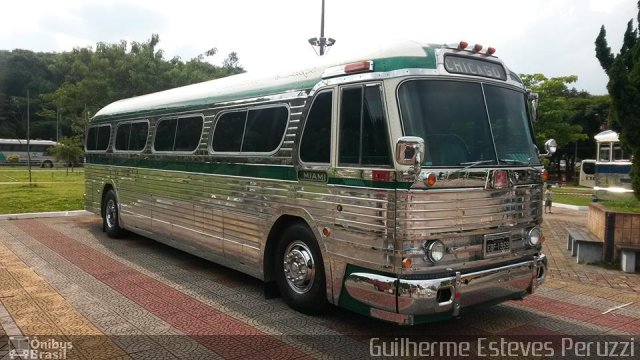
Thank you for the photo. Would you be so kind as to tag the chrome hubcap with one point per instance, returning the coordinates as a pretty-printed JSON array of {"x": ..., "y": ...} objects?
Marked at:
[
  {"x": 111, "y": 213},
  {"x": 299, "y": 268}
]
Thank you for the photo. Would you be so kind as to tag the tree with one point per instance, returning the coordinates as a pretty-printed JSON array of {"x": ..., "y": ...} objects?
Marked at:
[
  {"x": 68, "y": 150},
  {"x": 76, "y": 84},
  {"x": 624, "y": 88},
  {"x": 557, "y": 114}
]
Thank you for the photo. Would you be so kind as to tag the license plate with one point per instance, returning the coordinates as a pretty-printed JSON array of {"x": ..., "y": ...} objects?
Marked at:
[{"x": 497, "y": 244}]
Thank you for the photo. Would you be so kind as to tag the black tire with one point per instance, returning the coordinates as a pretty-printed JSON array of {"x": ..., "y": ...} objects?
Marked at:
[
  {"x": 110, "y": 219},
  {"x": 306, "y": 293},
  {"x": 47, "y": 164}
]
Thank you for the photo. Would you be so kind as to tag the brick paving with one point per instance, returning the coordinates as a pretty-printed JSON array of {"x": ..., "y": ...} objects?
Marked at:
[{"x": 136, "y": 298}]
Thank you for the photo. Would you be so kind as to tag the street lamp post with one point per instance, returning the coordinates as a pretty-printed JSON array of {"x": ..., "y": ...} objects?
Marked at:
[
  {"x": 28, "y": 138},
  {"x": 322, "y": 42}
]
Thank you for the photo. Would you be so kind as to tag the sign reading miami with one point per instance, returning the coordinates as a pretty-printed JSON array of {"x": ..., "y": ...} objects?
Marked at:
[{"x": 317, "y": 176}]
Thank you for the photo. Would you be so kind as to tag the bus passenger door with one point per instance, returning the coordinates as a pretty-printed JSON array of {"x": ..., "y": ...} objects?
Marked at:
[
  {"x": 313, "y": 192},
  {"x": 363, "y": 180}
]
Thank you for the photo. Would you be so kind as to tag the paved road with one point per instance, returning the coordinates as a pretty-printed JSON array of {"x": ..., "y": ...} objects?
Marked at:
[{"x": 63, "y": 277}]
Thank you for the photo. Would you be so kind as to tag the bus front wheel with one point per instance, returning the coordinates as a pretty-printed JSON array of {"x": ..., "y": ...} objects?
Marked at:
[
  {"x": 110, "y": 220},
  {"x": 300, "y": 271}
]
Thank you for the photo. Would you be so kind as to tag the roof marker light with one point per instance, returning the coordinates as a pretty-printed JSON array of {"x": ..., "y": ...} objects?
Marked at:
[
  {"x": 347, "y": 69},
  {"x": 477, "y": 48},
  {"x": 463, "y": 45},
  {"x": 360, "y": 66},
  {"x": 491, "y": 51}
]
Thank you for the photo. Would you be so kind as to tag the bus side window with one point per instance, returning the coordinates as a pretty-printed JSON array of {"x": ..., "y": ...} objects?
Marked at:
[
  {"x": 91, "y": 138},
  {"x": 104, "y": 137},
  {"x": 138, "y": 137},
  {"x": 99, "y": 137},
  {"x": 227, "y": 135},
  {"x": 618, "y": 153},
  {"x": 165, "y": 135},
  {"x": 122, "y": 136},
  {"x": 363, "y": 131},
  {"x": 315, "y": 146},
  {"x": 188, "y": 133},
  {"x": 605, "y": 152},
  {"x": 265, "y": 129}
]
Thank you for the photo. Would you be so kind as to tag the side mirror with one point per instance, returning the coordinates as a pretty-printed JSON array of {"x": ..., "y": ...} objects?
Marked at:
[
  {"x": 533, "y": 104},
  {"x": 410, "y": 153},
  {"x": 550, "y": 146}
]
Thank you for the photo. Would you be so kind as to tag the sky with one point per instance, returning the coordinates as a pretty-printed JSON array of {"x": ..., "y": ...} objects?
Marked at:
[{"x": 552, "y": 37}]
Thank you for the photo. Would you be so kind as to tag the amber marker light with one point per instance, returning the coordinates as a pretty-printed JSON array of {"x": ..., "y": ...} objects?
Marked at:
[
  {"x": 544, "y": 175},
  {"x": 430, "y": 180},
  {"x": 406, "y": 262}
]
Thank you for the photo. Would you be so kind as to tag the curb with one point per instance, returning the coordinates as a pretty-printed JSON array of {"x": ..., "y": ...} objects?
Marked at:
[
  {"x": 572, "y": 207},
  {"x": 41, "y": 215}
]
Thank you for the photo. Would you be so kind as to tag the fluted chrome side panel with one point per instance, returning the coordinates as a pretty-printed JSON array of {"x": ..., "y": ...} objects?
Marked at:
[{"x": 364, "y": 226}]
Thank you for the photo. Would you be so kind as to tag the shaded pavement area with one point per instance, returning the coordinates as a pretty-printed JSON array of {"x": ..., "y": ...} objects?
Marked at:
[{"x": 64, "y": 282}]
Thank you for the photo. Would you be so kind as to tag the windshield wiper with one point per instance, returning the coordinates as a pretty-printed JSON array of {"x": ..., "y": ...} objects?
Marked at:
[
  {"x": 471, "y": 164},
  {"x": 514, "y": 161},
  {"x": 474, "y": 163}
]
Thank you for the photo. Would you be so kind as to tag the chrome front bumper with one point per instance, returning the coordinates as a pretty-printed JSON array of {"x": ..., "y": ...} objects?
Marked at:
[{"x": 450, "y": 294}]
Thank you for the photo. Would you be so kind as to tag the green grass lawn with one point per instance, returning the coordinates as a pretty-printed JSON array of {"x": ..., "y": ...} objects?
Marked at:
[
  {"x": 52, "y": 190},
  {"x": 581, "y": 196},
  {"x": 573, "y": 195},
  {"x": 626, "y": 205}
]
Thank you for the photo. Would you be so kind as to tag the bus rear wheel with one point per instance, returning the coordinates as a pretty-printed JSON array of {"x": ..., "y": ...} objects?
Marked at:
[
  {"x": 47, "y": 164},
  {"x": 300, "y": 271},
  {"x": 110, "y": 220}
]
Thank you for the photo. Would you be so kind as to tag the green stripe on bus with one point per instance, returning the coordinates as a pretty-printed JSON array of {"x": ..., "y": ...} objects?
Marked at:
[
  {"x": 273, "y": 172},
  {"x": 248, "y": 170}
]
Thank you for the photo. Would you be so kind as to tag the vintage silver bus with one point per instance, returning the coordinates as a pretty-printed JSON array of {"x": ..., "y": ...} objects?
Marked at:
[{"x": 403, "y": 183}]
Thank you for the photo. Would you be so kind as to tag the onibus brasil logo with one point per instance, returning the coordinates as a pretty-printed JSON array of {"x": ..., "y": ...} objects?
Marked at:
[{"x": 23, "y": 347}]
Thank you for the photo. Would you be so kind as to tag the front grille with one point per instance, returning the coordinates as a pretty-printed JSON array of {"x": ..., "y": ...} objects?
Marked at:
[{"x": 461, "y": 219}]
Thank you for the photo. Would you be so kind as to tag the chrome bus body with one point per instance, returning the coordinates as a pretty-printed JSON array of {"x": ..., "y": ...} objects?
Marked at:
[
  {"x": 613, "y": 167},
  {"x": 39, "y": 150},
  {"x": 370, "y": 222}
]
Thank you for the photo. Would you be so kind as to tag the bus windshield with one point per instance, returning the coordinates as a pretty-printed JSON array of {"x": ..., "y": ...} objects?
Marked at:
[{"x": 463, "y": 123}]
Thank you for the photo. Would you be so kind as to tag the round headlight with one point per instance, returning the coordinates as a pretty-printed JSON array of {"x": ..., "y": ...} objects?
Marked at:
[
  {"x": 534, "y": 235},
  {"x": 435, "y": 251}
]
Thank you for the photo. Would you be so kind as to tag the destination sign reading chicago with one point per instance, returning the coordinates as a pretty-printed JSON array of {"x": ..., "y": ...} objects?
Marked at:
[{"x": 469, "y": 66}]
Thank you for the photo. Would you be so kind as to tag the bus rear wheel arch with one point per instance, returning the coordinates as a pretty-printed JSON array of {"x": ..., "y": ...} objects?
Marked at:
[
  {"x": 47, "y": 164},
  {"x": 299, "y": 270}
]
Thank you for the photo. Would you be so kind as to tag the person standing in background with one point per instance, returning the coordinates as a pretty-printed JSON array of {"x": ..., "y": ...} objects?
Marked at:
[{"x": 548, "y": 199}]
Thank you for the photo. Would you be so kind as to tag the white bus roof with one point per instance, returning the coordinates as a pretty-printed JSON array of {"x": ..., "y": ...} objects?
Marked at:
[
  {"x": 398, "y": 55},
  {"x": 31, "y": 142},
  {"x": 607, "y": 136}
]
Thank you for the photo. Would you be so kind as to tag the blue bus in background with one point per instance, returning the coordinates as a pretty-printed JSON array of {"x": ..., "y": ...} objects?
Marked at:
[{"x": 613, "y": 166}]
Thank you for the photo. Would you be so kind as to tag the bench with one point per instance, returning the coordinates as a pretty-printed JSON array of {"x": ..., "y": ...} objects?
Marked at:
[
  {"x": 584, "y": 246},
  {"x": 628, "y": 256}
]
